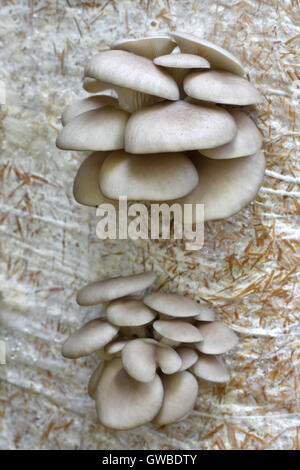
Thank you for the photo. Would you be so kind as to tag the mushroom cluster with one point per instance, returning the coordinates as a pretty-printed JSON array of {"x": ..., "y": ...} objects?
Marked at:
[
  {"x": 154, "y": 346},
  {"x": 168, "y": 126}
]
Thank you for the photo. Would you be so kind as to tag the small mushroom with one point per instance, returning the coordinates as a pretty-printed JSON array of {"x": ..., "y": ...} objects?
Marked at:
[
  {"x": 129, "y": 312},
  {"x": 211, "y": 368},
  {"x": 116, "y": 346},
  {"x": 149, "y": 47},
  {"x": 94, "y": 379},
  {"x": 177, "y": 330},
  {"x": 141, "y": 357},
  {"x": 153, "y": 177},
  {"x": 221, "y": 87},
  {"x": 218, "y": 57},
  {"x": 206, "y": 314},
  {"x": 87, "y": 104},
  {"x": 188, "y": 357},
  {"x": 217, "y": 338},
  {"x": 114, "y": 288},
  {"x": 96, "y": 86},
  {"x": 180, "y": 394},
  {"x": 89, "y": 338},
  {"x": 98, "y": 129},
  {"x": 178, "y": 126},
  {"x": 124, "y": 403},
  {"x": 173, "y": 305},
  {"x": 247, "y": 141},
  {"x": 226, "y": 186}
]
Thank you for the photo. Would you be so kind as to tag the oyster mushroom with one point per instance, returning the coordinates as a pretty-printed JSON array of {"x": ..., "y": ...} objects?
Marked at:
[
  {"x": 188, "y": 357},
  {"x": 87, "y": 104},
  {"x": 211, "y": 368},
  {"x": 94, "y": 379},
  {"x": 149, "y": 47},
  {"x": 153, "y": 177},
  {"x": 217, "y": 338},
  {"x": 174, "y": 305},
  {"x": 91, "y": 85},
  {"x": 129, "y": 312},
  {"x": 178, "y": 331}
]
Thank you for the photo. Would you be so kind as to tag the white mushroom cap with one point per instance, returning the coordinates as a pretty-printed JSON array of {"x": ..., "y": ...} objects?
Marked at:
[
  {"x": 218, "y": 57},
  {"x": 124, "y": 69},
  {"x": 180, "y": 394},
  {"x": 114, "y": 288},
  {"x": 86, "y": 188},
  {"x": 217, "y": 338},
  {"x": 94, "y": 379},
  {"x": 226, "y": 186},
  {"x": 92, "y": 336},
  {"x": 211, "y": 368},
  {"x": 206, "y": 314},
  {"x": 99, "y": 129},
  {"x": 174, "y": 305},
  {"x": 124, "y": 403},
  {"x": 222, "y": 87},
  {"x": 149, "y": 47},
  {"x": 177, "y": 330},
  {"x": 178, "y": 126},
  {"x": 152, "y": 177},
  {"x": 247, "y": 141},
  {"x": 188, "y": 357},
  {"x": 95, "y": 86},
  {"x": 141, "y": 357},
  {"x": 182, "y": 61},
  {"x": 129, "y": 312},
  {"x": 87, "y": 104},
  {"x": 115, "y": 347}
]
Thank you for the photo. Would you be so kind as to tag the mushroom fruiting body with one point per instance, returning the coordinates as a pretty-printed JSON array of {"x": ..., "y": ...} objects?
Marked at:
[{"x": 140, "y": 378}]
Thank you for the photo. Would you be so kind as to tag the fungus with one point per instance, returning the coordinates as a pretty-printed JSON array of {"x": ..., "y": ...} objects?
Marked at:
[
  {"x": 150, "y": 47},
  {"x": 129, "y": 312},
  {"x": 211, "y": 368},
  {"x": 173, "y": 305},
  {"x": 87, "y": 104}
]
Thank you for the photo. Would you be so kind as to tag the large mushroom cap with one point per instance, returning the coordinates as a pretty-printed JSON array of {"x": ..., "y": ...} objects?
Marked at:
[
  {"x": 98, "y": 129},
  {"x": 211, "y": 368},
  {"x": 247, "y": 141},
  {"x": 86, "y": 188},
  {"x": 129, "y": 312},
  {"x": 92, "y": 336},
  {"x": 217, "y": 338},
  {"x": 124, "y": 403},
  {"x": 124, "y": 69},
  {"x": 218, "y": 57},
  {"x": 182, "y": 61},
  {"x": 226, "y": 186},
  {"x": 87, "y": 104},
  {"x": 149, "y": 47},
  {"x": 172, "y": 304},
  {"x": 180, "y": 394},
  {"x": 110, "y": 289},
  {"x": 222, "y": 87},
  {"x": 177, "y": 330},
  {"x": 147, "y": 177},
  {"x": 178, "y": 126}
]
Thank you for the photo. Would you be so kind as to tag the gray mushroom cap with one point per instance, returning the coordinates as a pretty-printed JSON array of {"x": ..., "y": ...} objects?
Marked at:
[
  {"x": 221, "y": 87},
  {"x": 182, "y": 61},
  {"x": 211, "y": 368},
  {"x": 217, "y": 338},
  {"x": 180, "y": 394},
  {"x": 177, "y": 330},
  {"x": 150, "y": 47},
  {"x": 124, "y": 403},
  {"x": 172, "y": 304},
  {"x": 129, "y": 312},
  {"x": 206, "y": 314},
  {"x": 178, "y": 126},
  {"x": 89, "y": 338},
  {"x": 110, "y": 289},
  {"x": 87, "y": 104},
  {"x": 218, "y": 57}
]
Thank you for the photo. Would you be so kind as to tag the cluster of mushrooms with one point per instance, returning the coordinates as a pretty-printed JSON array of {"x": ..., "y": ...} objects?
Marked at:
[
  {"x": 154, "y": 346},
  {"x": 156, "y": 132}
]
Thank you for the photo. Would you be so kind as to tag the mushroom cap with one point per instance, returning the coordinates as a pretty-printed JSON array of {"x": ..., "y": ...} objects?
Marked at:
[
  {"x": 226, "y": 186},
  {"x": 217, "y": 338},
  {"x": 178, "y": 126},
  {"x": 188, "y": 357},
  {"x": 98, "y": 129},
  {"x": 247, "y": 141},
  {"x": 129, "y": 312},
  {"x": 172, "y": 304},
  {"x": 218, "y": 57},
  {"x": 182, "y": 61},
  {"x": 91, "y": 85},
  {"x": 114, "y": 288},
  {"x": 86, "y": 188},
  {"x": 211, "y": 368},
  {"x": 222, "y": 87},
  {"x": 87, "y": 104},
  {"x": 180, "y": 394},
  {"x": 94, "y": 379},
  {"x": 124, "y": 403},
  {"x": 147, "y": 177},
  {"x": 128, "y": 70},
  {"x": 116, "y": 346},
  {"x": 206, "y": 314},
  {"x": 141, "y": 357},
  {"x": 149, "y": 47},
  {"x": 89, "y": 338},
  {"x": 177, "y": 330}
]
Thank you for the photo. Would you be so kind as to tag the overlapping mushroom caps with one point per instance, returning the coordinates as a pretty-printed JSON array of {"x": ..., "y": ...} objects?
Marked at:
[
  {"x": 161, "y": 97},
  {"x": 155, "y": 348}
]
